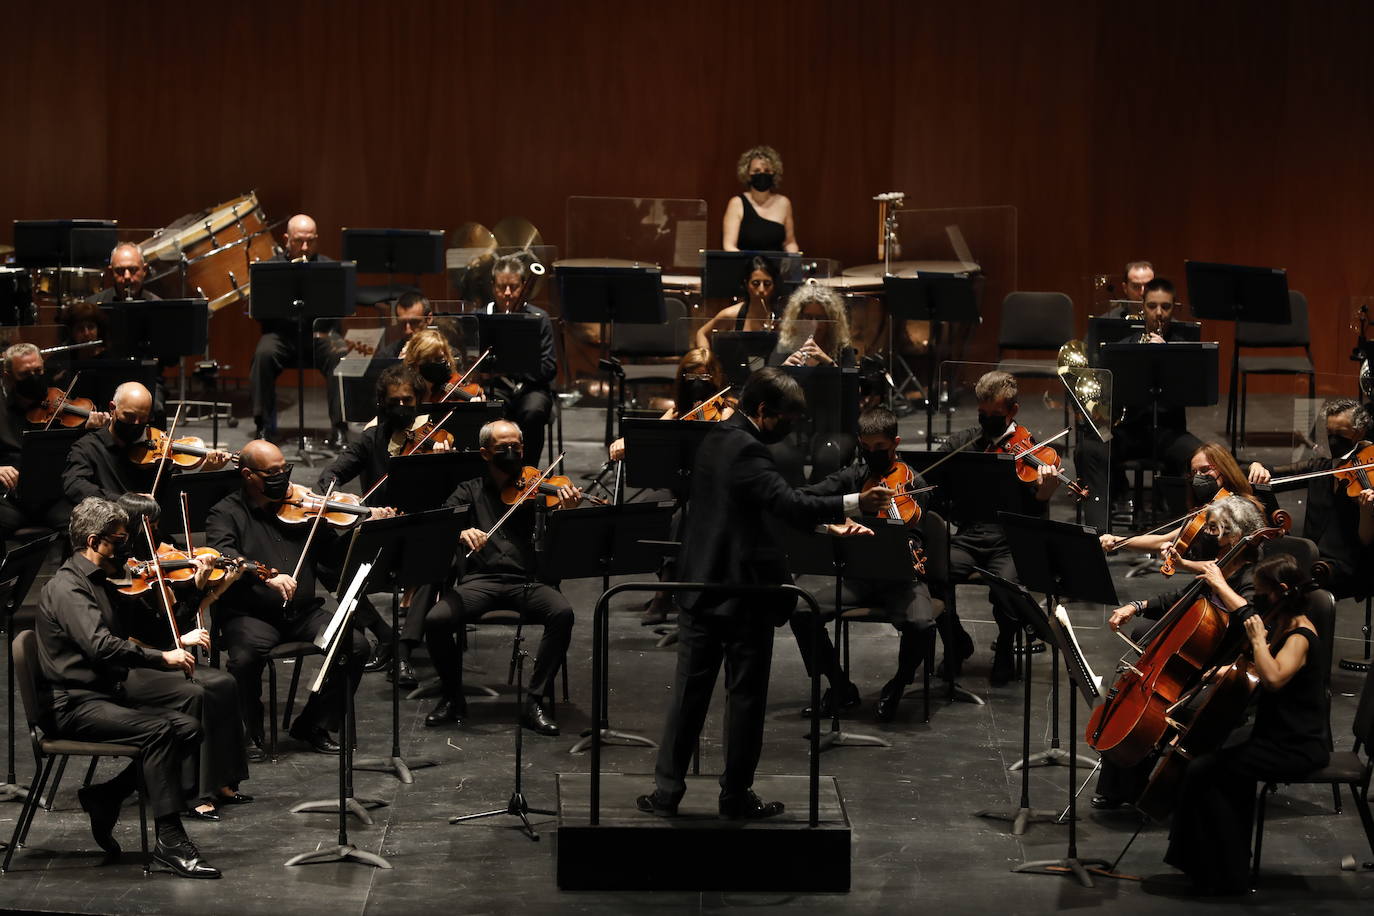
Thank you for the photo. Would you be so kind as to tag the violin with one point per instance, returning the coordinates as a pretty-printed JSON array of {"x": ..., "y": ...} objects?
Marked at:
[
  {"x": 1354, "y": 470},
  {"x": 179, "y": 567},
  {"x": 520, "y": 489},
  {"x": 186, "y": 452},
  {"x": 1190, "y": 531},
  {"x": 458, "y": 384},
  {"x": 1031, "y": 457},
  {"x": 424, "y": 437},
  {"x": 711, "y": 410},
  {"x": 302, "y": 505},
  {"x": 57, "y": 408},
  {"x": 902, "y": 505}
]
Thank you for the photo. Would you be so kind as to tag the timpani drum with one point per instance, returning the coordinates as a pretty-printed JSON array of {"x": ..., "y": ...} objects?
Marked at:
[{"x": 64, "y": 285}]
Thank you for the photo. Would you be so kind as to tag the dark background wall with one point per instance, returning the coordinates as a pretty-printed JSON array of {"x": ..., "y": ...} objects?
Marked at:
[{"x": 1228, "y": 131}]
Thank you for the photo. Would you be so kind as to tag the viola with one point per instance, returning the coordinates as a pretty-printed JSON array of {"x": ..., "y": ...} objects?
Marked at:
[
  {"x": 711, "y": 410},
  {"x": 179, "y": 567},
  {"x": 57, "y": 408},
  {"x": 1031, "y": 457},
  {"x": 302, "y": 505},
  {"x": 902, "y": 505},
  {"x": 1354, "y": 471},
  {"x": 424, "y": 437},
  {"x": 186, "y": 452},
  {"x": 1190, "y": 531},
  {"x": 519, "y": 489}
]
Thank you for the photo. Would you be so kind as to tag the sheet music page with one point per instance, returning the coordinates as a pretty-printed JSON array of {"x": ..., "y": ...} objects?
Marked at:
[{"x": 1062, "y": 616}]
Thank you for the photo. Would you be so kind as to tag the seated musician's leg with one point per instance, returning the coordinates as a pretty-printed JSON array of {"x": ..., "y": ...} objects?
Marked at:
[
  {"x": 320, "y": 715},
  {"x": 246, "y": 642},
  {"x": 958, "y": 644},
  {"x": 530, "y": 411},
  {"x": 545, "y": 606},
  {"x": 998, "y": 561},
  {"x": 840, "y": 688},
  {"x": 270, "y": 357}
]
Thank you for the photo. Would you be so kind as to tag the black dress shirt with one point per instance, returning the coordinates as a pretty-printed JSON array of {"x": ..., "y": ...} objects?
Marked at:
[
  {"x": 238, "y": 529},
  {"x": 365, "y": 458},
  {"x": 548, "y": 354},
  {"x": 12, "y": 425},
  {"x": 97, "y": 465},
  {"x": 509, "y": 553}
]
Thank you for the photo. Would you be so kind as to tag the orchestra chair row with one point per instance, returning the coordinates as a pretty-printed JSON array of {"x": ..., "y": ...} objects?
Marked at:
[
  {"x": 1296, "y": 335},
  {"x": 50, "y": 751}
]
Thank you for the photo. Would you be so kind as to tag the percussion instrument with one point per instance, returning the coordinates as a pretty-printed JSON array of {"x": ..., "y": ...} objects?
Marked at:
[
  {"x": 65, "y": 285},
  {"x": 208, "y": 255},
  {"x": 16, "y": 296}
]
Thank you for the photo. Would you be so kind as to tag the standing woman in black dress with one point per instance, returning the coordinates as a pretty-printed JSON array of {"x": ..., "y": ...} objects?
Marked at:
[
  {"x": 1209, "y": 839},
  {"x": 759, "y": 218}
]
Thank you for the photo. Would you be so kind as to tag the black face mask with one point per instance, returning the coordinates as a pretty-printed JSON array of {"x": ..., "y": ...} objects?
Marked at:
[
  {"x": 777, "y": 433},
  {"x": 879, "y": 460},
  {"x": 276, "y": 486},
  {"x": 34, "y": 387},
  {"x": 1339, "y": 445},
  {"x": 436, "y": 372},
  {"x": 1204, "y": 488},
  {"x": 509, "y": 459},
  {"x": 696, "y": 390},
  {"x": 761, "y": 181},
  {"x": 399, "y": 416},
  {"x": 1206, "y": 546},
  {"x": 992, "y": 427},
  {"x": 128, "y": 432},
  {"x": 1262, "y": 604}
]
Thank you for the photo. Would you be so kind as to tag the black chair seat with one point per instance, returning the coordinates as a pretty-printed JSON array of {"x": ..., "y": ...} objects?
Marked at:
[
  {"x": 291, "y": 649},
  {"x": 1275, "y": 365},
  {"x": 59, "y": 746},
  {"x": 501, "y": 615},
  {"x": 1344, "y": 766}
]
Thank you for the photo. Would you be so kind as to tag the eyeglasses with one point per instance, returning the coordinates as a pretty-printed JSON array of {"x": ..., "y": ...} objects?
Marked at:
[{"x": 118, "y": 541}]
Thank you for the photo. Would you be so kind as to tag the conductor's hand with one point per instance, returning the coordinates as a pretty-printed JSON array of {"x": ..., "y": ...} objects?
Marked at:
[
  {"x": 179, "y": 660},
  {"x": 569, "y": 497},
  {"x": 283, "y": 585},
  {"x": 1120, "y": 616},
  {"x": 9, "y": 476},
  {"x": 848, "y": 529},
  {"x": 196, "y": 637},
  {"x": 216, "y": 460},
  {"x": 474, "y": 538},
  {"x": 1258, "y": 473},
  {"x": 97, "y": 419},
  {"x": 875, "y": 499}
]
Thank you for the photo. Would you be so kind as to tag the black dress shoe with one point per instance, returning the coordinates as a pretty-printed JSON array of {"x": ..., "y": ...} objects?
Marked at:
[
  {"x": 1105, "y": 803},
  {"x": 380, "y": 658},
  {"x": 653, "y": 803},
  {"x": 183, "y": 859},
  {"x": 749, "y": 807},
  {"x": 407, "y": 676},
  {"x": 446, "y": 711},
  {"x": 1003, "y": 666},
  {"x": 103, "y": 808},
  {"x": 196, "y": 814},
  {"x": 538, "y": 721},
  {"x": 316, "y": 737},
  {"x": 238, "y": 798},
  {"x": 849, "y": 698},
  {"x": 256, "y": 752},
  {"x": 888, "y": 700}
]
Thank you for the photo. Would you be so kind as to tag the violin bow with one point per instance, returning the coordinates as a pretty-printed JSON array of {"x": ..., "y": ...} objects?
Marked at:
[
  {"x": 1327, "y": 473},
  {"x": 62, "y": 401},
  {"x": 702, "y": 406},
  {"x": 167, "y": 458},
  {"x": 162, "y": 590},
  {"x": 190, "y": 547},
  {"x": 423, "y": 439},
  {"x": 314, "y": 526},
  {"x": 996, "y": 442},
  {"x": 544, "y": 475},
  {"x": 464, "y": 377},
  {"x": 1155, "y": 530}
]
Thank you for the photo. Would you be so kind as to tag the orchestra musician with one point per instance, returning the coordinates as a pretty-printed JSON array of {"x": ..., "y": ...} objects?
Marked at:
[
  {"x": 736, "y": 486},
  {"x": 759, "y": 218},
  {"x": 429, "y": 354},
  {"x": 277, "y": 348},
  {"x": 220, "y": 762},
  {"x": 1341, "y": 526},
  {"x": 906, "y": 604},
  {"x": 755, "y": 313},
  {"x": 528, "y": 398},
  {"x": 93, "y": 688},
  {"x": 981, "y": 541},
  {"x": 1228, "y": 520},
  {"x": 1209, "y": 838},
  {"x": 258, "y": 615},
  {"x": 1134, "y": 278},
  {"x": 24, "y": 384},
  {"x": 500, "y": 572},
  {"x": 128, "y": 272},
  {"x": 413, "y": 312},
  {"x": 99, "y": 464}
]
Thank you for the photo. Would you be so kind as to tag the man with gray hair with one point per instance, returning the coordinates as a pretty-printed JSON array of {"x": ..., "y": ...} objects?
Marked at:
[
  {"x": 91, "y": 690},
  {"x": 128, "y": 272}
]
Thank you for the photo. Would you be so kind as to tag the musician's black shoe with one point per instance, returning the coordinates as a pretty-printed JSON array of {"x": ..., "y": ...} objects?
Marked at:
[
  {"x": 848, "y": 699},
  {"x": 315, "y": 736},
  {"x": 964, "y": 644},
  {"x": 197, "y": 814},
  {"x": 183, "y": 859},
  {"x": 538, "y": 721},
  {"x": 256, "y": 752},
  {"x": 1003, "y": 666},
  {"x": 748, "y": 807},
  {"x": 103, "y": 807},
  {"x": 888, "y": 700},
  {"x": 653, "y": 803},
  {"x": 380, "y": 658},
  {"x": 1106, "y": 803},
  {"x": 238, "y": 798},
  {"x": 407, "y": 676},
  {"x": 445, "y": 712}
]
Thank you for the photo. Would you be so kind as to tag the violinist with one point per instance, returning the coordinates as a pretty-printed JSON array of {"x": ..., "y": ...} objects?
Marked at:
[
  {"x": 258, "y": 615},
  {"x": 528, "y": 398},
  {"x": 1209, "y": 839},
  {"x": 907, "y": 604},
  {"x": 1228, "y": 520},
  {"x": 23, "y": 384},
  {"x": 755, "y": 313},
  {"x": 88, "y": 690},
  {"x": 500, "y": 573},
  {"x": 222, "y": 761},
  {"x": 698, "y": 378},
  {"x": 981, "y": 541},
  {"x": 429, "y": 355},
  {"x": 1341, "y": 524},
  {"x": 103, "y": 464}
]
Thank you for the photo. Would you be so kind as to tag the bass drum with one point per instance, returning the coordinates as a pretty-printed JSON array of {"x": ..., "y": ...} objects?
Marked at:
[
  {"x": 207, "y": 254},
  {"x": 221, "y": 275},
  {"x": 196, "y": 234}
]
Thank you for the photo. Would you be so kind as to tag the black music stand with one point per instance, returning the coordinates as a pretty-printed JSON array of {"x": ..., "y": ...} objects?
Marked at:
[
  {"x": 17, "y": 575},
  {"x": 203, "y": 489},
  {"x": 936, "y": 298},
  {"x": 660, "y": 454},
  {"x": 336, "y": 639},
  {"x": 886, "y": 557},
  {"x": 467, "y": 421},
  {"x": 358, "y": 390},
  {"x": 165, "y": 329},
  {"x": 607, "y": 296},
  {"x": 1236, "y": 293},
  {"x": 391, "y": 252},
  {"x": 43, "y": 457},
  {"x": 832, "y": 398},
  {"x": 725, "y": 273},
  {"x": 606, "y": 541},
  {"x": 302, "y": 293},
  {"x": 514, "y": 342},
  {"x": 100, "y": 377},
  {"x": 408, "y": 548},
  {"x": 64, "y": 242},
  {"x": 418, "y": 483},
  {"x": 737, "y": 351}
]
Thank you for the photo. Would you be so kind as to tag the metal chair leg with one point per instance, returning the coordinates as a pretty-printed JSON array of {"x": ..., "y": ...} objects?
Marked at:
[
  {"x": 1259, "y": 834},
  {"x": 35, "y": 793},
  {"x": 272, "y": 710},
  {"x": 291, "y": 693},
  {"x": 90, "y": 772},
  {"x": 56, "y": 782}
]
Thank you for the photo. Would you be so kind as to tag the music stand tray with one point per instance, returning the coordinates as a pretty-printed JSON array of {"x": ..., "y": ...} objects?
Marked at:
[
  {"x": 605, "y": 295},
  {"x": 358, "y": 385},
  {"x": 660, "y": 454},
  {"x": 203, "y": 489},
  {"x": 166, "y": 329},
  {"x": 937, "y": 298},
  {"x": 100, "y": 377},
  {"x": 467, "y": 420},
  {"x": 725, "y": 273},
  {"x": 514, "y": 342},
  {"x": 1174, "y": 374},
  {"x": 972, "y": 486},
  {"x": 1233, "y": 292},
  {"x": 419, "y": 483},
  {"x": 395, "y": 251},
  {"x": 64, "y": 242}
]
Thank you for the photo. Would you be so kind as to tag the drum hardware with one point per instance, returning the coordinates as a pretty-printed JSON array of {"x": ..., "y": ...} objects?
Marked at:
[{"x": 889, "y": 204}]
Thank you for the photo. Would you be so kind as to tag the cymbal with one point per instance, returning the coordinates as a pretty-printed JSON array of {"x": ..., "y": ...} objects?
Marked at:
[
  {"x": 472, "y": 235},
  {"x": 516, "y": 232}
]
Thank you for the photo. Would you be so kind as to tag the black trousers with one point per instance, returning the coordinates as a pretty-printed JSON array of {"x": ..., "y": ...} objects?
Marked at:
[
  {"x": 276, "y": 352},
  {"x": 538, "y": 604},
  {"x": 247, "y": 640},
  {"x": 984, "y": 546},
  {"x": 1098, "y": 464},
  {"x": 530, "y": 411},
  {"x": 221, "y": 758},
  {"x": 55, "y": 514},
  {"x": 168, "y": 738},
  {"x": 907, "y": 605},
  {"x": 743, "y": 640}
]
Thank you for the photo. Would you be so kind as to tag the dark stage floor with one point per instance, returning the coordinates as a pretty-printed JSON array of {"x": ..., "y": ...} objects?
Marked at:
[{"x": 916, "y": 842}]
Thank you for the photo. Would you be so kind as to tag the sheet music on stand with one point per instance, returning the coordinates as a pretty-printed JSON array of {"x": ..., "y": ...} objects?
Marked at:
[{"x": 1089, "y": 682}]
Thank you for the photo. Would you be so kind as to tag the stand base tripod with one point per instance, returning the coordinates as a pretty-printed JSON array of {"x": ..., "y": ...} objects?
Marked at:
[
  {"x": 1054, "y": 756},
  {"x": 1355, "y": 664},
  {"x": 517, "y": 807},
  {"x": 611, "y": 736},
  {"x": 339, "y": 854},
  {"x": 1079, "y": 868},
  {"x": 1021, "y": 818},
  {"x": 951, "y": 692},
  {"x": 11, "y": 792},
  {"x": 838, "y": 738},
  {"x": 355, "y": 805},
  {"x": 399, "y": 767}
]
